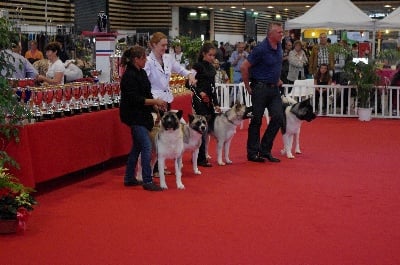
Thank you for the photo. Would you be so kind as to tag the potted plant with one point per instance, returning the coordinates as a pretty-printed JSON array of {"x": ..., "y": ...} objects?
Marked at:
[
  {"x": 16, "y": 202},
  {"x": 364, "y": 77},
  {"x": 15, "y": 198}
]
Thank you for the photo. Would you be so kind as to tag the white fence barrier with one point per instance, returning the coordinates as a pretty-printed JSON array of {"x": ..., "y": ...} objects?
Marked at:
[{"x": 340, "y": 101}]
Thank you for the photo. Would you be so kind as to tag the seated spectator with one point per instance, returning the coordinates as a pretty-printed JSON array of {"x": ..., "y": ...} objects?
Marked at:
[
  {"x": 33, "y": 54},
  {"x": 395, "y": 82}
]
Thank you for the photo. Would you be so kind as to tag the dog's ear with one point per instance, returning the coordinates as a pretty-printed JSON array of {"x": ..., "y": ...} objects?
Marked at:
[
  {"x": 179, "y": 113},
  {"x": 191, "y": 117}
]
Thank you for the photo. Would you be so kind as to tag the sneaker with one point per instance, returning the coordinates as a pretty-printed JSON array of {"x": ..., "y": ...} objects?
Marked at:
[
  {"x": 151, "y": 187},
  {"x": 133, "y": 183}
]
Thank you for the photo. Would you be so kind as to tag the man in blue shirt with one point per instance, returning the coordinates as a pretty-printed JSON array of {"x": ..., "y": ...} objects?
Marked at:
[{"x": 263, "y": 69}]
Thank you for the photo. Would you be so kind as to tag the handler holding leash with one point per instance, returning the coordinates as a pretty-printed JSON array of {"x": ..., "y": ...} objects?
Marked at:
[{"x": 263, "y": 69}]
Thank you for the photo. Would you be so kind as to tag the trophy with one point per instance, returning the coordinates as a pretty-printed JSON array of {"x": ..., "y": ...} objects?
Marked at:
[
  {"x": 95, "y": 74},
  {"x": 85, "y": 95},
  {"x": 116, "y": 93},
  {"x": 67, "y": 98},
  {"x": 94, "y": 90},
  {"x": 58, "y": 95},
  {"x": 109, "y": 93},
  {"x": 102, "y": 92},
  {"x": 76, "y": 93},
  {"x": 48, "y": 98},
  {"x": 37, "y": 102}
]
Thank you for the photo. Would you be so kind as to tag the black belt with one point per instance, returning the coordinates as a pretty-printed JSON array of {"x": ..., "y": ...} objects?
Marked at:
[{"x": 266, "y": 83}]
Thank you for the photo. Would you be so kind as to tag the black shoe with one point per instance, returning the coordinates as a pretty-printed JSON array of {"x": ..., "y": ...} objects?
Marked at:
[
  {"x": 133, "y": 183},
  {"x": 271, "y": 158},
  {"x": 151, "y": 187},
  {"x": 204, "y": 164},
  {"x": 256, "y": 158}
]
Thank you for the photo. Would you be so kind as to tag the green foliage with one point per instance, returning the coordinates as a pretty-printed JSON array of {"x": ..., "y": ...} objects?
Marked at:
[
  {"x": 364, "y": 77},
  {"x": 190, "y": 47},
  {"x": 12, "y": 112},
  {"x": 13, "y": 196},
  {"x": 391, "y": 55}
]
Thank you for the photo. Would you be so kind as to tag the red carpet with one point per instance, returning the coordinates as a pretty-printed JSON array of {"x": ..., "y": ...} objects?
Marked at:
[{"x": 337, "y": 203}]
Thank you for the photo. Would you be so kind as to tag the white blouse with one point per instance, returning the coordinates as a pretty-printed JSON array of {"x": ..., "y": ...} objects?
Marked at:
[
  {"x": 159, "y": 76},
  {"x": 56, "y": 67}
]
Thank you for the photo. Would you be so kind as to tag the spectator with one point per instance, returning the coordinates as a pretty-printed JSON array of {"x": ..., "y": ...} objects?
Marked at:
[
  {"x": 236, "y": 60},
  {"x": 221, "y": 76},
  {"x": 22, "y": 68},
  {"x": 395, "y": 82},
  {"x": 322, "y": 77},
  {"x": 55, "y": 72},
  {"x": 33, "y": 54},
  {"x": 321, "y": 55},
  {"x": 297, "y": 60},
  {"x": 285, "y": 61}
]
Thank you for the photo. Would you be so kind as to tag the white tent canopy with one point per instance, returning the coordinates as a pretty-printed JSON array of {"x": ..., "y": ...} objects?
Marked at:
[
  {"x": 392, "y": 21},
  {"x": 329, "y": 14}
]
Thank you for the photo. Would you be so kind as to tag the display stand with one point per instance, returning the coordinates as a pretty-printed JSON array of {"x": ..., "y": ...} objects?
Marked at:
[{"x": 105, "y": 46}]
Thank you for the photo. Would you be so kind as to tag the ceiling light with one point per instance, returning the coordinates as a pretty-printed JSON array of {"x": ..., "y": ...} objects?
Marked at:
[
  {"x": 387, "y": 6},
  {"x": 233, "y": 7},
  {"x": 270, "y": 7}
]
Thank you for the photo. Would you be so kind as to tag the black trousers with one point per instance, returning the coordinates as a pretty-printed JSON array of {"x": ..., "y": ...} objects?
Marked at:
[{"x": 264, "y": 96}]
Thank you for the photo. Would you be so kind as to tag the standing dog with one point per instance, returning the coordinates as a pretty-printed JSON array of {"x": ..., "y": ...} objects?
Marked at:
[
  {"x": 168, "y": 141},
  {"x": 295, "y": 113},
  {"x": 224, "y": 128},
  {"x": 192, "y": 134}
]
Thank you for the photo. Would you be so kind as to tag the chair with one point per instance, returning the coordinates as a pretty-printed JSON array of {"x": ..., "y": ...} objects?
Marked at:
[{"x": 302, "y": 89}]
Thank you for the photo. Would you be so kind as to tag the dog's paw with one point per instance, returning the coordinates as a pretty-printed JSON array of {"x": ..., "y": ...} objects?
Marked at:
[
  {"x": 167, "y": 172},
  {"x": 290, "y": 156},
  {"x": 228, "y": 162},
  {"x": 283, "y": 152},
  {"x": 180, "y": 186},
  {"x": 208, "y": 156},
  {"x": 220, "y": 163},
  {"x": 197, "y": 172},
  {"x": 298, "y": 152},
  {"x": 163, "y": 186}
]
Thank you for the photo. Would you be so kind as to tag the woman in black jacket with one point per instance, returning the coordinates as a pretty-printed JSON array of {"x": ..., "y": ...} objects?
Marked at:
[
  {"x": 204, "y": 98},
  {"x": 136, "y": 106}
]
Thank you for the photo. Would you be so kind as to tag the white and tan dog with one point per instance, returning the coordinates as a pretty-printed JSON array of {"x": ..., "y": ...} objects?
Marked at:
[
  {"x": 294, "y": 115},
  {"x": 168, "y": 142},
  {"x": 224, "y": 128},
  {"x": 192, "y": 133}
]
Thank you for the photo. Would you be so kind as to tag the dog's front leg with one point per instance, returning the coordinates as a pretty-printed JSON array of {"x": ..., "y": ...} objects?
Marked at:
[
  {"x": 287, "y": 145},
  {"x": 178, "y": 173},
  {"x": 161, "y": 174},
  {"x": 195, "y": 155},
  {"x": 227, "y": 147},
  {"x": 297, "y": 149}
]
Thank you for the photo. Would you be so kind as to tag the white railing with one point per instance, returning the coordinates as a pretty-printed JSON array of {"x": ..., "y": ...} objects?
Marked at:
[{"x": 340, "y": 101}]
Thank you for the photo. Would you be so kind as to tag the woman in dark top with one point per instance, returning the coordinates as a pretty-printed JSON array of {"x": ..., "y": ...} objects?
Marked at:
[
  {"x": 204, "y": 100},
  {"x": 322, "y": 78},
  {"x": 136, "y": 106}
]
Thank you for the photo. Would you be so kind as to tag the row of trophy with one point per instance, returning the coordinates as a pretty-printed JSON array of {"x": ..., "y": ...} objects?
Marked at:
[
  {"x": 177, "y": 83},
  {"x": 50, "y": 102}
]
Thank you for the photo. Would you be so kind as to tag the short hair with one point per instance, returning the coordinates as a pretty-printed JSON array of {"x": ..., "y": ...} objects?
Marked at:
[
  {"x": 33, "y": 42},
  {"x": 297, "y": 42},
  {"x": 271, "y": 25},
  {"x": 54, "y": 46}
]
